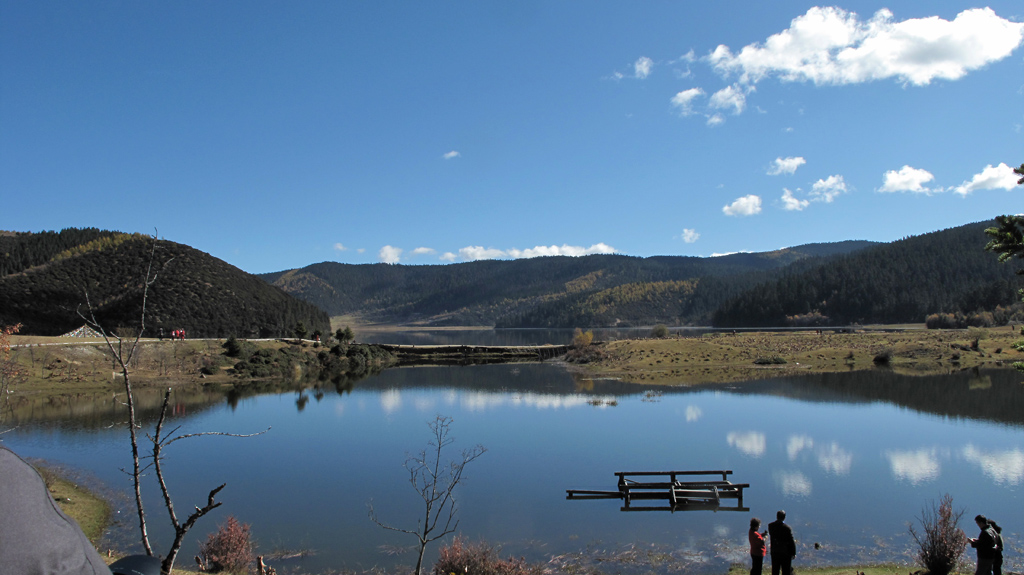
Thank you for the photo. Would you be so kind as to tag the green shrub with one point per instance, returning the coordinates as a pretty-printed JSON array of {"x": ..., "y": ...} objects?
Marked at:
[
  {"x": 660, "y": 331},
  {"x": 772, "y": 360}
]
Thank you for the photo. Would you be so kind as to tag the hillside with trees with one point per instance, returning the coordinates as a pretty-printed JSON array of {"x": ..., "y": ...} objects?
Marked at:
[
  {"x": 46, "y": 278},
  {"x": 945, "y": 274},
  {"x": 559, "y": 291}
]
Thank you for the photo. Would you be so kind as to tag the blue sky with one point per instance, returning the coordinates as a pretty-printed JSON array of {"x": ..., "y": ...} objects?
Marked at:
[{"x": 274, "y": 135}]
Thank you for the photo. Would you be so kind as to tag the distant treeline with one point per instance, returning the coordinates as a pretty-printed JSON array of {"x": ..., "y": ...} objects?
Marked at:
[
  {"x": 945, "y": 274},
  {"x": 47, "y": 283}
]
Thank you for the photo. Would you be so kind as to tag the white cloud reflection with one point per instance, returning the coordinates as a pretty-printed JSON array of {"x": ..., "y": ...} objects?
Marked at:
[
  {"x": 693, "y": 413},
  {"x": 835, "y": 459},
  {"x": 1002, "y": 466},
  {"x": 914, "y": 466},
  {"x": 748, "y": 442},
  {"x": 793, "y": 483},
  {"x": 796, "y": 444},
  {"x": 391, "y": 401},
  {"x": 481, "y": 401}
]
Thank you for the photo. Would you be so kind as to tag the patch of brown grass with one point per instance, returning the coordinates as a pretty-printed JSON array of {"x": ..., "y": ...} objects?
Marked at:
[{"x": 729, "y": 357}]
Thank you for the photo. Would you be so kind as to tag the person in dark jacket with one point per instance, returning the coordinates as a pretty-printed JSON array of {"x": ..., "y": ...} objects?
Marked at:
[
  {"x": 783, "y": 546},
  {"x": 985, "y": 543},
  {"x": 757, "y": 547},
  {"x": 997, "y": 561}
]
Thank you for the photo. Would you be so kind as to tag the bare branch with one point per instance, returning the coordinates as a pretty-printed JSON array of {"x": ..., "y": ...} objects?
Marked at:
[{"x": 435, "y": 483}]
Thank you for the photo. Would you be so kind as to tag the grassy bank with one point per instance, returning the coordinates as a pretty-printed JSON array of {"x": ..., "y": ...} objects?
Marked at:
[
  {"x": 91, "y": 511},
  {"x": 730, "y": 357}
]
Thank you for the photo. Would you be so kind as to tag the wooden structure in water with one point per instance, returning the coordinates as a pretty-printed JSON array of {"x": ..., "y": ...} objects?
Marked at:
[
  {"x": 459, "y": 354},
  {"x": 668, "y": 486}
]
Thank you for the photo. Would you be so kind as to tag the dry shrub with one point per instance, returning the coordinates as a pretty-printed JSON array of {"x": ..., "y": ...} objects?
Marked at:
[
  {"x": 228, "y": 550},
  {"x": 581, "y": 339},
  {"x": 943, "y": 542},
  {"x": 478, "y": 559}
]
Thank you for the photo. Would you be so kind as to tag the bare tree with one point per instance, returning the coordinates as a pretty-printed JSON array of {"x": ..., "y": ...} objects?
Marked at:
[
  {"x": 159, "y": 443},
  {"x": 122, "y": 351},
  {"x": 435, "y": 482},
  {"x": 123, "y": 347}
]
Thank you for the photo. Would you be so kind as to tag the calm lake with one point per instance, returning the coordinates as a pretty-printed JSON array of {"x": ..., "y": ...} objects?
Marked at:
[{"x": 853, "y": 458}]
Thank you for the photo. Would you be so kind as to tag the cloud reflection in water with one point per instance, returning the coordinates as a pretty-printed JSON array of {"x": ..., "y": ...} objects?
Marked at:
[
  {"x": 748, "y": 442},
  {"x": 914, "y": 466},
  {"x": 1002, "y": 466}
]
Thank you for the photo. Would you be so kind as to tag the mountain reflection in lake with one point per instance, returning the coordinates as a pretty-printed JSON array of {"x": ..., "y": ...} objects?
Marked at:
[{"x": 851, "y": 457}]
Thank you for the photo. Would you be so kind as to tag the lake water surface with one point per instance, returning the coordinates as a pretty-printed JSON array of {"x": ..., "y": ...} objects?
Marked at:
[{"x": 853, "y": 458}]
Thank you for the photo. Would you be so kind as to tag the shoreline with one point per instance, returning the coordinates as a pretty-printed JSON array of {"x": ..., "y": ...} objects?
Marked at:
[{"x": 61, "y": 366}]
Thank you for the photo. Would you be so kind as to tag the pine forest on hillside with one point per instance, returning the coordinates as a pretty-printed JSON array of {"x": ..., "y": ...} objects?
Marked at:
[{"x": 46, "y": 276}]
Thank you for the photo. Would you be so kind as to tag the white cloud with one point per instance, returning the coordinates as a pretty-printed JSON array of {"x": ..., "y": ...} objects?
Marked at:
[
  {"x": 791, "y": 203},
  {"x": 826, "y": 190},
  {"x": 473, "y": 253},
  {"x": 451, "y": 155},
  {"x": 693, "y": 413},
  {"x": 690, "y": 236},
  {"x": 684, "y": 100},
  {"x": 339, "y": 247},
  {"x": 914, "y": 466},
  {"x": 715, "y": 120},
  {"x": 642, "y": 67},
  {"x": 423, "y": 251},
  {"x": 829, "y": 45},
  {"x": 730, "y": 97},
  {"x": 1001, "y": 177},
  {"x": 796, "y": 444},
  {"x": 907, "y": 180},
  {"x": 1002, "y": 466},
  {"x": 746, "y": 206},
  {"x": 748, "y": 442},
  {"x": 563, "y": 250},
  {"x": 786, "y": 165},
  {"x": 390, "y": 254},
  {"x": 448, "y": 257}
]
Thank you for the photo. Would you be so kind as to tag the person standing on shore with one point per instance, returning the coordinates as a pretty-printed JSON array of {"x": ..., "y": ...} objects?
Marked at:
[
  {"x": 985, "y": 543},
  {"x": 997, "y": 560},
  {"x": 757, "y": 547},
  {"x": 783, "y": 545}
]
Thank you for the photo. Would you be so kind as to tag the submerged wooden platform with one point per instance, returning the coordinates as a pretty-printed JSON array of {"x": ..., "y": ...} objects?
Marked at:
[{"x": 678, "y": 495}]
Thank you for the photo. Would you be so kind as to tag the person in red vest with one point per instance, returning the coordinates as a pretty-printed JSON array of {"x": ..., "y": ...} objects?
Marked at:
[{"x": 757, "y": 546}]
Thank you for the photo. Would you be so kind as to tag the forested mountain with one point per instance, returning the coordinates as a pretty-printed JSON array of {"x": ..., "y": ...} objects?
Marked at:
[
  {"x": 44, "y": 279},
  {"x": 944, "y": 272},
  {"x": 549, "y": 291}
]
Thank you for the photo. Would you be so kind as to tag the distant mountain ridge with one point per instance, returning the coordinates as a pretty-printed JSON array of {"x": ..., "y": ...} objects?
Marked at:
[
  {"x": 44, "y": 278},
  {"x": 557, "y": 291}
]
